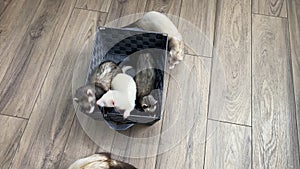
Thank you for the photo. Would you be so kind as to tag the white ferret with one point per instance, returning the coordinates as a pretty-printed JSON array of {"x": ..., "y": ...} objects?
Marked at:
[
  {"x": 122, "y": 96},
  {"x": 158, "y": 22}
]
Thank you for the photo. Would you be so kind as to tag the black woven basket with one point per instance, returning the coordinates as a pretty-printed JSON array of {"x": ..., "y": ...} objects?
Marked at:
[{"x": 123, "y": 46}]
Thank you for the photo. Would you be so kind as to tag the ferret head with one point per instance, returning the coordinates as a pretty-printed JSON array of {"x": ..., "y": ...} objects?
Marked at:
[
  {"x": 148, "y": 103},
  {"x": 85, "y": 96},
  {"x": 107, "y": 100}
]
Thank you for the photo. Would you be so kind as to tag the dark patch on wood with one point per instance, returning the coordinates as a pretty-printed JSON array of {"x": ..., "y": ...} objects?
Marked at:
[{"x": 38, "y": 27}]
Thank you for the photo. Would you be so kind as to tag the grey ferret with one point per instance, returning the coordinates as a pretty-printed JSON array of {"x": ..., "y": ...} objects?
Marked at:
[
  {"x": 99, "y": 82},
  {"x": 145, "y": 79},
  {"x": 103, "y": 75},
  {"x": 86, "y": 97},
  {"x": 100, "y": 161}
]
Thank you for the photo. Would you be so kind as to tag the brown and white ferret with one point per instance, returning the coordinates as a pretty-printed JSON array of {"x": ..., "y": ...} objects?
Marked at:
[
  {"x": 158, "y": 22},
  {"x": 122, "y": 96},
  {"x": 100, "y": 161}
]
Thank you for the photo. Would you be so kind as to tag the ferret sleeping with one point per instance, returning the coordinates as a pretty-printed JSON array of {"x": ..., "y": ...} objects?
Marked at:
[
  {"x": 100, "y": 161},
  {"x": 122, "y": 96},
  {"x": 145, "y": 79},
  {"x": 158, "y": 22},
  {"x": 103, "y": 75}
]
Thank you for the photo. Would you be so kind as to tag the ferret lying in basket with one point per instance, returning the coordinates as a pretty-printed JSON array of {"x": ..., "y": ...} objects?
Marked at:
[
  {"x": 151, "y": 21},
  {"x": 122, "y": 96}
]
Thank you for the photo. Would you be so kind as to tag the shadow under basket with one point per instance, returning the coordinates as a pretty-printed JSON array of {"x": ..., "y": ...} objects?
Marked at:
[{"x": 123, "y": 46}]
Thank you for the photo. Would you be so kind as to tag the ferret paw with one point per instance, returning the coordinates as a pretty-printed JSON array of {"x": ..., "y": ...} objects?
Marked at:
[{"x": 126, "y": 114}]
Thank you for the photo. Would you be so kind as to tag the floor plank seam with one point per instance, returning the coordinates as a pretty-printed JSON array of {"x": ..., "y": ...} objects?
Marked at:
[
  {"x": 64, "y": 147},
  {"x": 92, "y": 10},
  {"x": 254, "y": 13},
  {"x": 14, "y": 154},
  {"x": 251, "y": 85},
  {"x": 162, "y": 122},
  {"x": 210, "y": 79},
  {"x": 292, "y": 77},
  {"x": 199, "y": 56},
  {"x": 44, "y": 79},
  {"x": 7, "y": 115},
  {"x": 227, "y": 122},
  {"x": 27, "y": 121}
]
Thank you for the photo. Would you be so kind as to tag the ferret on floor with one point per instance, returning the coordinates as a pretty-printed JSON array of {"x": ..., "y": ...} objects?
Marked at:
[
  {"x": 158, "y": 22},
  {"x": 100, "y": 161},
  {"x": 122, "y": 96}
]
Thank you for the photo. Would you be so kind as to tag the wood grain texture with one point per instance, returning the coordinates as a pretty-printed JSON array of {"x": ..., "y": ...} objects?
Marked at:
[
  {"x": 184, "y": 125},
  {"x": 79, "y": 145},
  {"x": 3, "y": 5},
  {"x": 46, "y": 134},
  {"x": 133, "y": 9},
  {"x": 11, "y": 133},
  {"x": 294, "y": 25},
  {"x": 27, "y": 70},
  {"x": 270, "y": 7},
  {"x": 228, "y": 146},
  {"x": 98, "y": 5},
  {"x": 14, "y": 21},
  {"x": 275, "y": 143},
  {"x": 198, "y": 36},
  {"x": 172, "y": 7},
  {"x": 231, "y": 73}
]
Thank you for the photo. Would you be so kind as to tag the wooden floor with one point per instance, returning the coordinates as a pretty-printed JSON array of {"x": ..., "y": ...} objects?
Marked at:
[{"x": 242, "y": 93}]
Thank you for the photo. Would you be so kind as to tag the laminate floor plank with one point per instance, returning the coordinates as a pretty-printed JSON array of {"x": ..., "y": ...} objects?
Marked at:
[
  {"x": 270, "y": 7},
  {"x": 25, "y": 74},
  {"x": 133, "y": 10},
  {"x": 197, "y": 26},
  {"x": 11, "y": 133},
  {"x": 183, "y": 132},
  {"x": 3, "y": 5},
  {"x": 97, "y": 5},
  {"x": 14, "y": 22},
  {"x": 294, "y": 27},
  {"x": 275, "y": 142},
  {"x": 228, "y": 146},
  {"x": 46, "y": 134},
  {"x": 230, "y": 98}
]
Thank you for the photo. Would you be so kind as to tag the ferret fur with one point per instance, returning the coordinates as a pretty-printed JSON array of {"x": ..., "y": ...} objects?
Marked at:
[
  {"x": 122, "y": 96},
  {"x": 145, "y": 79},
  {"x": 86, "y": 97},
  {"x": 100, "y": 161},
  {"x": 158, "y": 22},
  {"x": 104, "y": 73}
]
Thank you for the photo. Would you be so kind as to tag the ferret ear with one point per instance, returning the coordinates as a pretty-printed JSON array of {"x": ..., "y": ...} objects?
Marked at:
[
  {"x": 144, "y": 106},
  {"x": 76, "y": 99},
  {"x": 89, "y": 92}
]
